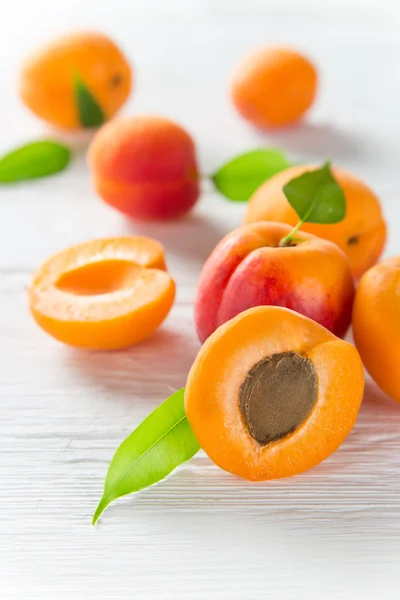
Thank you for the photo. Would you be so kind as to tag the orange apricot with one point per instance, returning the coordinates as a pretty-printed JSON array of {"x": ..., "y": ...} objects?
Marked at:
[
  {"x": 272, "y": 87},
  {"x": 362, "y": 233},
  {"x": 104, "y": 294},
  {"x": 376, "y": 324},
  {"x": 145, "y": 167},
  {"x": 47, "y": 79},
  {"x": 272, "y": 393},
  {"x": 249, "y": 268}
]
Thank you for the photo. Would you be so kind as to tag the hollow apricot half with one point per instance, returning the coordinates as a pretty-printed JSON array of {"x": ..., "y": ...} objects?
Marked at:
[
  {"x": 104, "y": 294},
  {"x": 273, "y": 393}
]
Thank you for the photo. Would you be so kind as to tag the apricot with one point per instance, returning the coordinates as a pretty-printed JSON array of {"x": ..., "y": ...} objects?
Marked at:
[
  {"x": 272, "y": 393},
  {"x": 272, "y": 87},
  {"x": 361, "y": 234},
  {"x": 376, "y": 324},
  {"x": 47, "y": 79},
  {"x": 145, "y": 167},
  {"x": 104, "y": 294},
  {"x": 249, "y": 268}
]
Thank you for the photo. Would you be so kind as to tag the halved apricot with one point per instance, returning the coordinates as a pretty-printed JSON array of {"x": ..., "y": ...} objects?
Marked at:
[
  {"x": 103, "y": 294},
  {"x": 272, "y": 393}
]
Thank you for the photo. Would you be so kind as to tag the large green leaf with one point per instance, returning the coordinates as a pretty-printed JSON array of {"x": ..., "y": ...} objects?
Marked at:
[
  {"x": 36, "y": 159},
  {"x": 316, "y": 196},
  {"x": 162, "y": 441},
  {"x": 240, "y": 177}
]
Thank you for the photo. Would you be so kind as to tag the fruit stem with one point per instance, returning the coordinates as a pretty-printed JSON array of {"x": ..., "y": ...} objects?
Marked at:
[{"x": 288, "y": 239}]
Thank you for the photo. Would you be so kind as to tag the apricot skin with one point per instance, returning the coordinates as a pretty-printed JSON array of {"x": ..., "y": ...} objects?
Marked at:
[
  {"x": 248, "y": 269},
  {"x": 362, "y": 233},
  {"x": 145, "y": 167},
  {"x": 376, "y": 324},
  {"x": 274, "y": 87},
  {"x": 46, "y": 82}
]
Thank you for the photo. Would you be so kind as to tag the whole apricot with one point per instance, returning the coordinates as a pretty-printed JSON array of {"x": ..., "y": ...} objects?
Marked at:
[
  {"x": 48, "y": 78},
  {"x": 376, "y": 324},
  {"x": 249, "y": 268},
  {"x": 362, "y": 233},
  {"x": 145, "y": 167},
  {"x": 272, "y": 87},
  {"x": 272, "y": 393}
]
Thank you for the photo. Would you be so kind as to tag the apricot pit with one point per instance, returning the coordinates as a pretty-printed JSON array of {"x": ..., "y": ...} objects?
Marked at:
[{"x": 278, "y": 395}]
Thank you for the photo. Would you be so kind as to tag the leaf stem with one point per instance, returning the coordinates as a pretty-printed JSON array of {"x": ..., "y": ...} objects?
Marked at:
[{"x": 287, "y": 240}]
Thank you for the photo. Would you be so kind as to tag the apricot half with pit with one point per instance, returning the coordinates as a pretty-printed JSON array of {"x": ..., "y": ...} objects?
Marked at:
[{"x": 272, "y": 393}]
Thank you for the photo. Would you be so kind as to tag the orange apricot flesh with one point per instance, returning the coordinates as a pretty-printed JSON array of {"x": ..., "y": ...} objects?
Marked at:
[
  {"x": 272, "y": 393},
  {"x": 104, "y": 294}
]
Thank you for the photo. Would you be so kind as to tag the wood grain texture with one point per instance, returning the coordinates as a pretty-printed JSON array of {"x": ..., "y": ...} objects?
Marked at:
[{"x": 332, "y": 533}]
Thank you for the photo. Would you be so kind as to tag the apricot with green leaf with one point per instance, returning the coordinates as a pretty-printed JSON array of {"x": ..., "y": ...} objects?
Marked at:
[
  {"x": 267, "y": 263},
  {"x": 77, "y": 81},
  {"x": 361, "y": 234}
]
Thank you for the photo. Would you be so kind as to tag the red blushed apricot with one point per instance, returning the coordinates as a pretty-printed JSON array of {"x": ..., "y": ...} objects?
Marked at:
[
  {"x": 103, "y": 294},
  {"x": 376, "y": 324},
  {"x": 248, "y": 268},
  {"x": 273, "y": 87},
  {"x": 145, "y": 167},
  {"x": 362, "y": 233},
  {"x": 272, "y": 393}
]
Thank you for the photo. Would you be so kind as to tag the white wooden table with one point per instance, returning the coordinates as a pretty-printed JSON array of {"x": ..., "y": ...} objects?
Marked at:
[{"x": 201, "y": 534}]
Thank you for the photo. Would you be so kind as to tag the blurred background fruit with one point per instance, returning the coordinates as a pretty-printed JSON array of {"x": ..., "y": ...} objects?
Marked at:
[
  {"x": 273, "y": 87},
  {"x": 145, "y": 167},
  {"x": 76, "y": 81}
]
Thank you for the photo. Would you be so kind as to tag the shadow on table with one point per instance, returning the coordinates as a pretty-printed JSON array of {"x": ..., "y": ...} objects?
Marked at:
[
  {"x": 167, "y": 354},
  {"x": 325, "y": 139},
  {"x": 363, "y": 464},
  {"x": 191, "y": 238},
  {"x": 376, "y": 401},
  {"x": 351, "y": 496}
]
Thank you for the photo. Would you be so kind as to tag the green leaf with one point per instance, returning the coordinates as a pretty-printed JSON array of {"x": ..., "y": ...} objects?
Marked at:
[
  {"x": 90, "y": 112},
  {"x": 241, "y": 176},
  {"x": 37, "y": 159},
  {"x": 162, "y": 441},
  {"x": 316, "y": 196}
]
